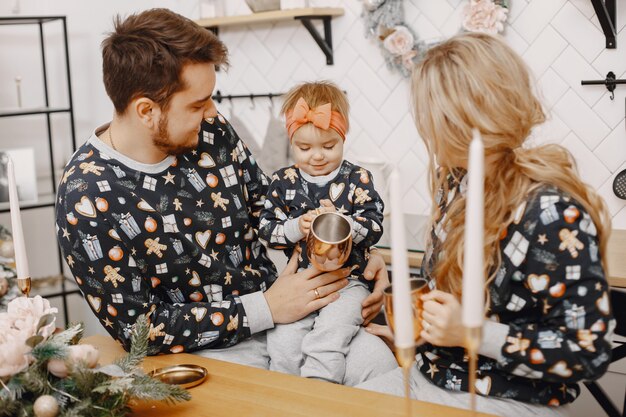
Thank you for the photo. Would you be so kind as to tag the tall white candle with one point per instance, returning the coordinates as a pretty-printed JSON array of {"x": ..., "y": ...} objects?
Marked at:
[
  {"x": 473, "y": 264},
  {"x": 402, "y": 311},
  {"x": 21, "y": 262}
]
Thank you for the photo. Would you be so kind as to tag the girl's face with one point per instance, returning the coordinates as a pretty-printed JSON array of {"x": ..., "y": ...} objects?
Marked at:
[{"x": 316, "y": 151}]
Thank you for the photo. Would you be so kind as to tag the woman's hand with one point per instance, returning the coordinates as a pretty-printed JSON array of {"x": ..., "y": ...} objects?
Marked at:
[
  {"x": 376, "y": 269},
  {"x": 295, "y": 295},
  {"x": 441, "y": 319}
]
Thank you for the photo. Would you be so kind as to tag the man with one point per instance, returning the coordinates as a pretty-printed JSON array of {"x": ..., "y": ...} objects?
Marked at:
[{"x": 157, "y": 212}]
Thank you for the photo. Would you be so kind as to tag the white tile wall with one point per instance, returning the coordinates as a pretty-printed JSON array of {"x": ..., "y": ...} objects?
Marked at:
[{"x": 559, "y": 39}]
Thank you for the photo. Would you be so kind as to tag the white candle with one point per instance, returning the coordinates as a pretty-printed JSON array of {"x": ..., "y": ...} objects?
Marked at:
[
  {"x": 473, "y": 264},
  {"x": 401, "y": 290},
  {"x": 21, "y": 262}
]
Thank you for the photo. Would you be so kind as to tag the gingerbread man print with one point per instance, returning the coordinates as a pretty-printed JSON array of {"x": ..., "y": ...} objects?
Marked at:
[
  {"x": 218, "y": 201},
  {"x": 112, "y": 275},
  {"x": 91, "y": 167},
  {"x": 570, "y": 242},
  {"x": 155, "y": 247}
]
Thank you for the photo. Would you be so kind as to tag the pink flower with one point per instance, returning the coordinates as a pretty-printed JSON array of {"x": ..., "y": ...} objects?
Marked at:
[
  {"x": 24, "y": 313},
  {"x": 14, "y": 356},
  {"x": 86, "y": 354},
  {"x": 400, "y": 41},
  {"x": 408, "y": 59},
  {"x": 58, "y": 368},
  {"x": 484, "y": 16}
]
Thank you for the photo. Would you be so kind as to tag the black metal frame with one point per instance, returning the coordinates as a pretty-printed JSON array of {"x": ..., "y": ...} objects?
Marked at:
[
  {"x": 47, "y": 111},
  {"x": 219, "y": 97},
  {"x": 618, "y": 353},
  {"x": 325, "y": 43},
  {"x": 606, "y": 11}
]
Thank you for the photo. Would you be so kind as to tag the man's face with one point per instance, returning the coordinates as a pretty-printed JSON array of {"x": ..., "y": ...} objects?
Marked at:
[
  {"x": 316, "y": 151},
  {"x": 179, "y": 124}
]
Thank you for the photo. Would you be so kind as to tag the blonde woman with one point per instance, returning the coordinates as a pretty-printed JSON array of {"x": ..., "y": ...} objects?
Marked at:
[{"x": 545, "y": 239}]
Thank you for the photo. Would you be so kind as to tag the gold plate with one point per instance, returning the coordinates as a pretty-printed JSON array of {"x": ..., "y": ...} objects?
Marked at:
[{"x": 186, "y": 376}]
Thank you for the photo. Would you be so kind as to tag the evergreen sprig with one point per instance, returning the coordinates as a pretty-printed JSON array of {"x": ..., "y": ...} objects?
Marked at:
[{"x": 104, "y": 391}]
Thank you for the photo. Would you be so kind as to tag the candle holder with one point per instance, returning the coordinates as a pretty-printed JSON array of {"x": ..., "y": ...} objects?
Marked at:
[
  {"x": 473, "y": 337},
  {"x": 24, "y": 284},
  {"x": 406, "y": 359}
]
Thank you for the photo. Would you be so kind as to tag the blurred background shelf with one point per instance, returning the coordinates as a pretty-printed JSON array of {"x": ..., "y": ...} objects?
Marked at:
[{"x": 55, "y": 285}]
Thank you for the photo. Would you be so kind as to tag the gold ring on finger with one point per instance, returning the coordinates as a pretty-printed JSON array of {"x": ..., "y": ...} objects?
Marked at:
[{"x": 317, "y": 293}]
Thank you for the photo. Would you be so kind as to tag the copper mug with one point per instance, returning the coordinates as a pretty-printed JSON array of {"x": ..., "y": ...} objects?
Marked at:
[
  {"x": 418, "y": 287},
  {"x": 329, "y": 242}
]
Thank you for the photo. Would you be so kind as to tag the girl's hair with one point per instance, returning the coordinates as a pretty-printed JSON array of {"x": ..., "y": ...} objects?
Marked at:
[
  {"x": 316, "y": 94},
  {"x": 477, "y": 81}
]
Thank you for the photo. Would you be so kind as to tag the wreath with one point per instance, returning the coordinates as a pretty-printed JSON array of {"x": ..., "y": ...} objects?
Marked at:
[
  {"x": 384, "y": 21},
  {"x": 48, "y": 373}
]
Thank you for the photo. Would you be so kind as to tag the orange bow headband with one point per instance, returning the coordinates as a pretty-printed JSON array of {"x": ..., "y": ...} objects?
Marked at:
[{"x": 321, "y": 117}]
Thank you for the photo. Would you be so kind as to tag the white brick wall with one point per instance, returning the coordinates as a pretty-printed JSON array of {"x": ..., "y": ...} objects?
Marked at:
[{"x": 560, "y": 40}]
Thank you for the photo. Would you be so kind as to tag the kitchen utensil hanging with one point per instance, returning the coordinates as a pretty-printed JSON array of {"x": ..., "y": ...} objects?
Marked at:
[{"x": 610, "y": 82}]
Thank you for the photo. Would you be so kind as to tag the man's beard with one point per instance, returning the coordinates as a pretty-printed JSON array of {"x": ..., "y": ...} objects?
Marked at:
[{"x": 163, "y": 142}]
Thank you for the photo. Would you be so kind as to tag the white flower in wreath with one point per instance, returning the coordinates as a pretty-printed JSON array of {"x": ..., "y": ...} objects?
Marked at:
[
  {"x": 24, "y": 313},
  {"x": 408, "y": 59},
  {"x": 484, "y": 16},
  {"x": 14, "y": 351},
  {"x": 400, "y": 41},
  {"x": 372, "y": 4}
]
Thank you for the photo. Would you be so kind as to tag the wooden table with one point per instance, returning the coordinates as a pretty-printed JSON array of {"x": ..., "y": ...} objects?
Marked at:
[
  {"x": 616, "y": 252},
  {"x": 233, "y": 390}
]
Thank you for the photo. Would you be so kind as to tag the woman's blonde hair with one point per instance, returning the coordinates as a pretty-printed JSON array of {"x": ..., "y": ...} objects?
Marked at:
[
  {"x": 316, "y": 94},
  {"x": 477, "y": 81}
]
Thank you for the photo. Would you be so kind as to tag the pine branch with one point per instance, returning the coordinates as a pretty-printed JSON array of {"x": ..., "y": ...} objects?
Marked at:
[
  {"x": 147, "y": 388},
  {"x": 138, "y": 347},
  {"x": 69, "y": 335},
  {"x": 43, "y": 352}
]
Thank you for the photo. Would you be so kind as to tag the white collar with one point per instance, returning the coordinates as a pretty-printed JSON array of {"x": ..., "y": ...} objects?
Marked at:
[{"x": 321, "y": 179}]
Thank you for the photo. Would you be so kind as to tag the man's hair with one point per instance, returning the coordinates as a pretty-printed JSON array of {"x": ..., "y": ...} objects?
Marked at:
[{"x": 144, "y": 55}]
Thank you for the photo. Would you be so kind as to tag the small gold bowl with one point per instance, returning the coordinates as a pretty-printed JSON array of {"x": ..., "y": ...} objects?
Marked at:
[{"x": 186, "y": 376}]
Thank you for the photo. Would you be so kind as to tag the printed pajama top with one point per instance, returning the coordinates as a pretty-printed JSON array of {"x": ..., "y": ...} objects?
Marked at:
[
  {"x": 351, "y": 191},
  {"x": 552, "y": 293},
  {"x": 176, "y": 241}
]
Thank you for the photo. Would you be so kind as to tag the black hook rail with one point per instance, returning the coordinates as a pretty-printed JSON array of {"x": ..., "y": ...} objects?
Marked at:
[
  {"x": 219, "y": 97},
  {"x": 610, "y": 82}
]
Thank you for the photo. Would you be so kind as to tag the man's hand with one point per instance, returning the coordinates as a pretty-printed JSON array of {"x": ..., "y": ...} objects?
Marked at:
[
  {"x": 376, "y": 269},
  {"x": 295, "y": 295}
]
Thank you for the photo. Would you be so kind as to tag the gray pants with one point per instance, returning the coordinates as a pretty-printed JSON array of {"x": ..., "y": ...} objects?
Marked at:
[
  {"x": 317, "y": 345},
  {"x": 367, "y": 358},
  {"x": 424, "y": 390}
]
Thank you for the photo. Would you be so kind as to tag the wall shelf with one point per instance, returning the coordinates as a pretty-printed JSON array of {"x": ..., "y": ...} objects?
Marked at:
[{"x": 304, "y": 15}]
